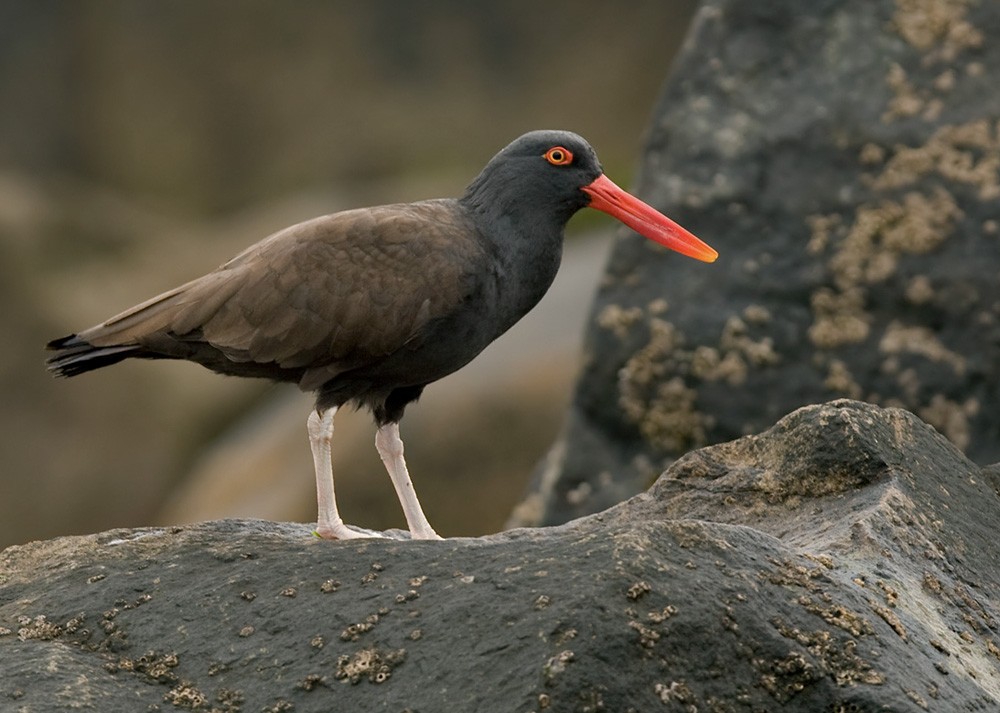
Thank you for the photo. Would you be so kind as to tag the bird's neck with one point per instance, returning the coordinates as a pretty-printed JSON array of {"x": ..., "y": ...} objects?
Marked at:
[
  {"x": 526, "y": 246},
  {"x": 519, "y": 231},
  {"x": 512, "y": 218}
]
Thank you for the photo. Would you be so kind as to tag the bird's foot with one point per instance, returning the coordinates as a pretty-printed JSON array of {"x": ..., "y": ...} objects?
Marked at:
[
  {"x": 427, "y": 534},
  {"x": 340, "y": 531}
]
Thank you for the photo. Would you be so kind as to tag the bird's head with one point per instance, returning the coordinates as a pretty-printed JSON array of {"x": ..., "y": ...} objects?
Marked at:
[{"x": 557, "y": 173}]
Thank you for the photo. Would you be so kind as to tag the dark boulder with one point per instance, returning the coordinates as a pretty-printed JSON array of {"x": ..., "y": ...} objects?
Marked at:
[
  {"x": 842, "y": 561},
  {"x": 844, "y": 158}
]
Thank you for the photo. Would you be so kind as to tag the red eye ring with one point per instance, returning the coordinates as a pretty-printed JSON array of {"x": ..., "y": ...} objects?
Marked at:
[{"x": 559, "y": 156}]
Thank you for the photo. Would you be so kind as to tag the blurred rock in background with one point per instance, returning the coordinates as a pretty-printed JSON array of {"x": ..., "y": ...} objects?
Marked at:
[
  {"x": 143, "y": 143},
  {"x": 844, "y": 158}
]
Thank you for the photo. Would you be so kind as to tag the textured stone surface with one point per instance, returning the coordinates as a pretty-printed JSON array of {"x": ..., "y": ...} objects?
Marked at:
[
  {"x": 844, "y": 158},
  {"x": 842, "y": 561}
]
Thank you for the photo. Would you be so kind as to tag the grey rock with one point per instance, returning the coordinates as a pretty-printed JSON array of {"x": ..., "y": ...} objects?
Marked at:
[
  {"x": 844, "y": 560},
  {"x": 844, "y": 158}
]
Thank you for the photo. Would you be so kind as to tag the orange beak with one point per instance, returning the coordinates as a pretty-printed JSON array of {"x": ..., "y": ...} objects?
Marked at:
[{"x": 608, "y": 198}]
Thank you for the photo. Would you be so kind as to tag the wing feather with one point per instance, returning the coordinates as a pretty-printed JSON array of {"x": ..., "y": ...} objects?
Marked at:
[{"x": 329, "y": 294}]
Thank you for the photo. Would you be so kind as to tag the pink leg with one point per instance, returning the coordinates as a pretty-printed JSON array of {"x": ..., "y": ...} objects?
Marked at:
[
  {"x": 329, "y": 524},
  {"x": 390, "y": 448}
]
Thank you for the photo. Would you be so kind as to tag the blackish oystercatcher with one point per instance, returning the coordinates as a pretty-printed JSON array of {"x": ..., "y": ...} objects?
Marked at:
[{"x": 369, "y": 306}]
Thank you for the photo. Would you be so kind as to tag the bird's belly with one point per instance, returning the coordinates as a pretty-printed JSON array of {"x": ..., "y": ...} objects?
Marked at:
[
  {"x": 440, "y": 352},
  {"x": 446, "y": 344}
]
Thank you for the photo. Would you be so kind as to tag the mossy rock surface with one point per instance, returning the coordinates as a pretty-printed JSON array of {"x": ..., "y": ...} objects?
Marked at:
[{"x": 844, "y": 159}]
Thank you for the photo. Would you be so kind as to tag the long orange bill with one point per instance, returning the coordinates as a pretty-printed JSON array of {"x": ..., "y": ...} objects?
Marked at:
[{"x": 607, "y": 197}]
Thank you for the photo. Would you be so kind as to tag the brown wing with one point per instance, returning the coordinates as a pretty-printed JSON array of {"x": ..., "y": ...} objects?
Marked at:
[{"x": 327, "y": 294}]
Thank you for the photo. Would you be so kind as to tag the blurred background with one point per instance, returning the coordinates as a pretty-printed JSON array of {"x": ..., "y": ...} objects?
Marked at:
[{"x": 143, "y": 143}]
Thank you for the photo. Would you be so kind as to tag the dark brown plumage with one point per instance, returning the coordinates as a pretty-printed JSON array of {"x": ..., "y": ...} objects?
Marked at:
[
  {"x": 371, "y": 305},
  {"x": 278, "y": 311}
]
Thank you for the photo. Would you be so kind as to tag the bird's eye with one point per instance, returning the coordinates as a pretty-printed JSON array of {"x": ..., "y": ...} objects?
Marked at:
[{"x": 558, "y": 156}]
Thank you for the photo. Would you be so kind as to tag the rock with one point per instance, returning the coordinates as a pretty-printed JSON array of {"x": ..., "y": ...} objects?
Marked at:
[
  {"x": 844, "y": 158},
  {"x": 842, "y": 560}
]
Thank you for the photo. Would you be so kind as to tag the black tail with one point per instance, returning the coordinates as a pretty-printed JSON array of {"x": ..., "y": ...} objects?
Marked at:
[{"x": 75, "y": 356}]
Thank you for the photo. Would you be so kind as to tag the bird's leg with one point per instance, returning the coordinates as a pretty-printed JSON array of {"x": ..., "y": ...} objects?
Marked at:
[
  {"x": 329, "y": 525},
  {"x": 390, "y": 448}
]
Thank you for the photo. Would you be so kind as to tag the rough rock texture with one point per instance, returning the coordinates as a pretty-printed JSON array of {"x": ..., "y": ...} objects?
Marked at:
[
  {"x": 844, "y": 158},
  {"x": 842, "y": 561}
]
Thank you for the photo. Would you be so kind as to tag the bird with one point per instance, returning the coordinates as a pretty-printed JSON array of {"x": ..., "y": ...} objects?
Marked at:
[{"x": 367, "y": 306}]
